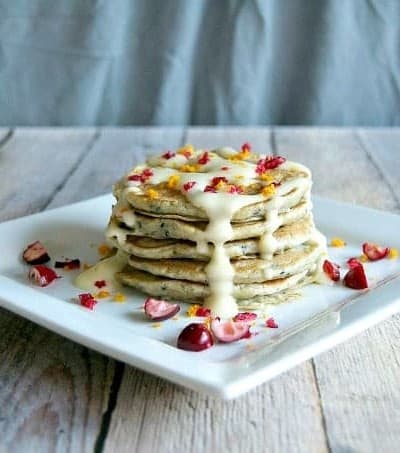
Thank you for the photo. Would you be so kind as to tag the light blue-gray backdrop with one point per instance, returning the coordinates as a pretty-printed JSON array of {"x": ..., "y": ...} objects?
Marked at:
[{"x": 176, "y": 62}]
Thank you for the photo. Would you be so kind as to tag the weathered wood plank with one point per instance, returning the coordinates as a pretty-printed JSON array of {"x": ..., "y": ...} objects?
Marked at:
[
  {"x": 342, "y": 169},
  {"x": 152, "y": 414},
  {"x": 214, "y": 137},
  {"x": 358, "y": 381},
  {"x": 383, "y": 148},
  {"x": 71, "y": 384},
  {"x": 114, "y": 153},
  {"x": 34, "y": 163},
  {"x": 5, "y": 134},
  {"x": 52, "y": 391}
]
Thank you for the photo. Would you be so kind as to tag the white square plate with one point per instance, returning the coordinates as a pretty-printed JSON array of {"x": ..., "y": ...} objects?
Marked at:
[{"x": 307, "y": 326}]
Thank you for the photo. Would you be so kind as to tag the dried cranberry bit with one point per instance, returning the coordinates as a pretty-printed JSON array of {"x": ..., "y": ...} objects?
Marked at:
[
  {"x": 189, "y": 185},
  {"x": 235, "y": 189},
  {"x": 168, "y": 155},
  {"x": 246, "y": 147},
  {"x": 211, "y": 189},
  {"x": 35, "y": 253},
  {"x": 224, "y": 168},
  {"x": 217, "y": 179},
  {"x": 204, "y": 158},
  {"x": 100, "y": 283},
  {"x": 160, "y": 310},
  {"x": 195, "y": 337},
  {"x": 245, "y": 317},
  {"x": 374, "y": 252},
  {"x": 142, "y": 177},
  {"x": 229, "y": 331},
  {"x": 87, "y": 300},
  {"x": 269, "y": 163},
  {"x": 356, "y": 278},
  {"x": 331, "y": 270},
  {"x": 271, "y": 323},
  {"x": 68, "y": 264},
  {"x": 41, "y": 275}
]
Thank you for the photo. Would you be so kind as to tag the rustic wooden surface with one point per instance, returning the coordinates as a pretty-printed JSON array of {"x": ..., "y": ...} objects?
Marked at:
[{"x": 56, "y": 395}]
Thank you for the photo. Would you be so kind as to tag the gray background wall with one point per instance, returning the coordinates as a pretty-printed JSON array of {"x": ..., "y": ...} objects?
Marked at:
[{"x": 176, "y": 62}]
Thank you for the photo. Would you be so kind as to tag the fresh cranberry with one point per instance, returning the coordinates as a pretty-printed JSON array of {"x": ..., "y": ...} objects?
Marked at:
[{"x": 195, "y": 337}]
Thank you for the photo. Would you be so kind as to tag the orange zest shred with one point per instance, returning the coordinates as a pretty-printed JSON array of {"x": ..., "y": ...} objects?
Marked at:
[
  {"x": 86, "y": 266},
  {"x": 269, "y": 190},
  {"x": 192, "y": 310},
  {"x": 156, "y": 325},
  {"x": 267, "y": 177},
  {"x": 241, "y": 155},
  {"x": 102, "y": 294},
  {"x": 393, "y": 254},
  {"x": 338, "y": 242},
  {"x": 173, "y": 181},
  {"x": 186, "y": 150},
  {"x": 363, "y": 258},
  {"x": 152, "y": 194},
  {"x": 104, "y": 249},
  {"x": 186, "y": 168},
  {"x": 119, "y": 297}
]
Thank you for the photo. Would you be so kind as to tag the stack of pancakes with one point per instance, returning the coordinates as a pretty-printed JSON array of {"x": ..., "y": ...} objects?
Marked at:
[{"x": 212, "y": 226}]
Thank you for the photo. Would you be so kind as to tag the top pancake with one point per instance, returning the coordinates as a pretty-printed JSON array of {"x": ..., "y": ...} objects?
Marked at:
[{"x": 164, "y": 194}]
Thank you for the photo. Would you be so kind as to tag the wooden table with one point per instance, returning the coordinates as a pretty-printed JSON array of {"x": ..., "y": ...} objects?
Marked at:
[{"x": 56, "y": 395}]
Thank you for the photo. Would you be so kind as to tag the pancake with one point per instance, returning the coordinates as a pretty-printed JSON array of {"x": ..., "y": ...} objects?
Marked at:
[
  {"x": 291, "y": 235},
  {"x": 254, "y": 270},
  {"x": 183, "y": 290},
  {"x": 166, "y": 228},
  {"x": 173, "y": 204}
]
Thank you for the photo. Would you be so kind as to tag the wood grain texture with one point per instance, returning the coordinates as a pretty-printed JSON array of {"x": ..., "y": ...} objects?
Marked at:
[
  {"x": 55, "y": 395},
  {"x": 114, "y": 152},
  {"x": 358, "y": 381},
  {"x": 208, "y": 137},
  {"x": 53, "y": 392},
  {"x": 383, "y": 148},
  {"x": 34, "y": 163},
  {"x": 152, "y": 415},
  {"x": 341, "y": 168}
]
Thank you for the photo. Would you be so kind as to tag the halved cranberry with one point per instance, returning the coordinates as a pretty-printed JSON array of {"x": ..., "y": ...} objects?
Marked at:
[
  {"x": 228, "y": 331},
  {"x": 160, "y": 310},
  {"x": 331, "y": 270},
  {"x": 41, "y": 275},
  {"x": 245, "y": 317},
  {"x": 195, "y": 337},
  {"x": 374, "y": 252},
  {"x": 356, "y": 278},
  {"x": 35, "y": 253}
]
